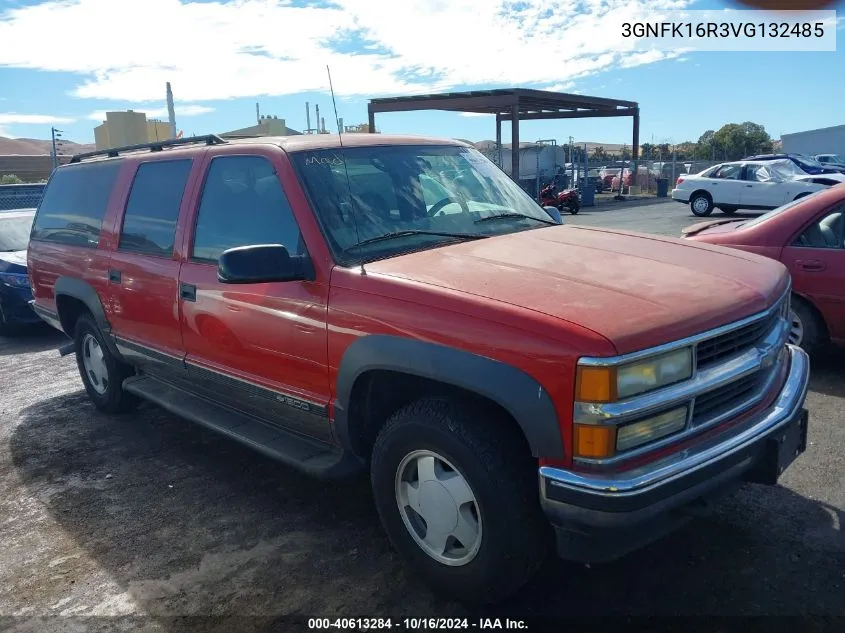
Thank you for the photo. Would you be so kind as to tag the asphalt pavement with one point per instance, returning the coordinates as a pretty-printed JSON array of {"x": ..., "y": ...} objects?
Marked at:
[{"x": 149, "y": 516}]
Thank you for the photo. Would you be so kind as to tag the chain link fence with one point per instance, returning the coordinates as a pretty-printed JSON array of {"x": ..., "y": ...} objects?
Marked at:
[{"x": 20, "y": 196}]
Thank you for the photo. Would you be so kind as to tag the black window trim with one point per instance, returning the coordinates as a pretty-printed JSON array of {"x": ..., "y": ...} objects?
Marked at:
[
  {"x": 204, "y": 261},
  {"x": 139, "y": 251}
]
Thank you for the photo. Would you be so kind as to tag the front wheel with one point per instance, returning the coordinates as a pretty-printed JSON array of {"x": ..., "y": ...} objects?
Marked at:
[
  {"x": 701, "y": 204},
  {"x": 458, "y": 498},
  {"x": 574, "y": 208}
]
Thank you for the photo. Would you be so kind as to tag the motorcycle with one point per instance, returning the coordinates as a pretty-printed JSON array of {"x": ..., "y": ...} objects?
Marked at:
[{"x": 568, "y": 199}]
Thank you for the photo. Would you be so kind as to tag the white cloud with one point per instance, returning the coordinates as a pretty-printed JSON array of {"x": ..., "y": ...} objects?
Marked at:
[
  {"x": 248, "y": 48},
  {"x": 157, "y": 113},
  {"x": 12, "y": 118}
]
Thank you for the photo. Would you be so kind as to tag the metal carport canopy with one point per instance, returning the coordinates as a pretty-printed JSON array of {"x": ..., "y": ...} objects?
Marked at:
[{"x": 514, "y": 105}]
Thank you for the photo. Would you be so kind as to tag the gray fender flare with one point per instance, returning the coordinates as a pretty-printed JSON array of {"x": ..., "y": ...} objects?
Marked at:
[
  {"x": 511, "y": 388},
  {"x": 84, "y": 292}
]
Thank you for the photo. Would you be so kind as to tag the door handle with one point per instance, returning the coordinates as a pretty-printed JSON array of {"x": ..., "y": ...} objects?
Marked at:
[
  {"x": 812, "y": 265},
  {"x": 187, "y": 292},
  {"x": 114, "y": 276}
]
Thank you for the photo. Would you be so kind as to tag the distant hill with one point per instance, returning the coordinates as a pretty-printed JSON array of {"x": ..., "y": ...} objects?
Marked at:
[{"x": 34, "y": 147}]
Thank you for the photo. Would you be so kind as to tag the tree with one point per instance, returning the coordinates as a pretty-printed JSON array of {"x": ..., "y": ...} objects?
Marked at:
[
  {"x": 599, "y": 153},
  {"x": 734, "y": 141},
  {"x": 625, "y": 153},
  {"x": 10, "y": 179},
  {"x": 647, "y": 151}
]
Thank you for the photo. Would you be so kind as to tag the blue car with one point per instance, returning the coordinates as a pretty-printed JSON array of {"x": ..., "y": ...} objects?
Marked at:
[
  {"x": 15, "y": 292},
  {"x": 807, "y": 164}
]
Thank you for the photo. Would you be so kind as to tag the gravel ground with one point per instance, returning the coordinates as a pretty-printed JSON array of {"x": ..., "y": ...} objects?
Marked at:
[{"x": 147, "y": 515}]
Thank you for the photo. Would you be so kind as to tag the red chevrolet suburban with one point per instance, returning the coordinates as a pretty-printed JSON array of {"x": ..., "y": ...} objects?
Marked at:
[{"x": 399, "y": 305}]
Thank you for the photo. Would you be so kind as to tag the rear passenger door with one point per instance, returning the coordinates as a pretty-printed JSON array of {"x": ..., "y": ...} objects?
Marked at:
[
  {"x": 260, "y": 348},
  {"x": 144, "y": 268}
]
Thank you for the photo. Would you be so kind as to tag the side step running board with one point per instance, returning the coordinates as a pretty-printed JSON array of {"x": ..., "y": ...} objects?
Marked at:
[{"x": 309, "y": 456}]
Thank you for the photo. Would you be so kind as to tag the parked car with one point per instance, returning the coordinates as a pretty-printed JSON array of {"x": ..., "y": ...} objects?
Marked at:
[
  {"x": 15, "y": 293},
  {"x": 742, "y": 185},
  {"x": 808, "y": 237},
  {"x": 830, "y": 160},
  {"x": 315, "y": 302},
  {"x": 807, "y": 164}
]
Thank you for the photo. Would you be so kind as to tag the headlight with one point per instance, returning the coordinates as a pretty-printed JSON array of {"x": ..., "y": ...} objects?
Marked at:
[
  {"x": 651, "y": 429},
  {"x": 609, "y": 384},
  {"x": 15, "y": 280}
]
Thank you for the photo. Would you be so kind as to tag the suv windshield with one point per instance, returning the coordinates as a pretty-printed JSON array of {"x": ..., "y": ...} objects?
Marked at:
[
  {"x": 376, "y": 202},
  {"x": 14, "y": 232}
]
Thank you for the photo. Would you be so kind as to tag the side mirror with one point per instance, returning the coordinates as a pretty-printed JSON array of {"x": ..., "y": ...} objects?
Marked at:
[
  {"x": 260, "y": 263},
  {"x": 554, "y": 213}
]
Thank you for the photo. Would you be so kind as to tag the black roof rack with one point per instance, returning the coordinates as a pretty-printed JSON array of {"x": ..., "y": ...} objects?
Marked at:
[{"x": 155, "y": 146}]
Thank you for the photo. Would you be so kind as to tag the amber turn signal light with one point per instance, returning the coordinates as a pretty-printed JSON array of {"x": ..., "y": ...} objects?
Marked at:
[
  {"x": 594, "y": 441},
  {"x": 595, "y": 384}
]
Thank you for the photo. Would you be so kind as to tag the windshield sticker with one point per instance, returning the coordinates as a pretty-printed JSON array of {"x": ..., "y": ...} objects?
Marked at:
[{"x": 333, "y": 160}]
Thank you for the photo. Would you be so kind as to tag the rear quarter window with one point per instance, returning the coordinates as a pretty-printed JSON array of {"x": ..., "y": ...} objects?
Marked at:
[{"x": 74, "y": 204}]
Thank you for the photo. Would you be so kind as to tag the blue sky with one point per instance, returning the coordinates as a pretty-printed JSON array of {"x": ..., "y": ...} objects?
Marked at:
[{"x": 228, "y": 55}]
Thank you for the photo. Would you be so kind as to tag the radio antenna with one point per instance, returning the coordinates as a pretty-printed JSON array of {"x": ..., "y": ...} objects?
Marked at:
[
  {"x": 334, "y": 105},
  {"x": 345, "y": 170}
]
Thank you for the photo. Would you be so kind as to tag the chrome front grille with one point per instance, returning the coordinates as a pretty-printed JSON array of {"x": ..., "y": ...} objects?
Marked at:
[
  {"x": 712, "y": 404},
  {"x": 717, "y": 349}
]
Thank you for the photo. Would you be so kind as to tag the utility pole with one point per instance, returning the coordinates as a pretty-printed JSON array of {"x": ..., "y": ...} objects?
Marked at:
[{"x": 55, "y": 134}]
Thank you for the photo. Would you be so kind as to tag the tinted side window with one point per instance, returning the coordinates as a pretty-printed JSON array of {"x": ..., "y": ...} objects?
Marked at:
[
  {"x": 243, "y": 203},
  {"x": 728, "y": 172},
  {"x": 149, "y": 224},
  {"x": 75, "y": 202}
]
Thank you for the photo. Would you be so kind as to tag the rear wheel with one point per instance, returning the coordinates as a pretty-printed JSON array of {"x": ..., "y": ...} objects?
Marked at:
[
  {"x": 701, "y": 204},
  {"x": 102, "y": 373},
  {"x": 728, "y": 210},
  {"x": 805, "y": 327},
  {"x": 458, "y": 498},
  {"x": 574, "y": 208}
]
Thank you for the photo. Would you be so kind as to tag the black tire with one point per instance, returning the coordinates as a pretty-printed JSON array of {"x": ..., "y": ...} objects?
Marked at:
[
  {"x": 113, "y": 399},
  {"x": 728, "y": 210},
  {"x": 486, "y": 450},
  {"x": 814, "y": 332},
  {"x": 574, "y": 208},
  {"x": 705, "y": 208},
  {"x": 5, "y": 328}
]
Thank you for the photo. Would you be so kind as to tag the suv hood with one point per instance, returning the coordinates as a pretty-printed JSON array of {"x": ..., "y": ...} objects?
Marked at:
[{"x": 635, "y": 290}]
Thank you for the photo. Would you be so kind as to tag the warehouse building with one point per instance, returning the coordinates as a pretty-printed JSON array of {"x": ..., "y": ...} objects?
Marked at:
[{"x": 826, "y": 140}]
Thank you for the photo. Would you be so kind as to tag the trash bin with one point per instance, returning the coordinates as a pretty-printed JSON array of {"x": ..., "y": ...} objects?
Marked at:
[
  {"x": 588, "y": 195},
  {"x": 662, "y": 187}
]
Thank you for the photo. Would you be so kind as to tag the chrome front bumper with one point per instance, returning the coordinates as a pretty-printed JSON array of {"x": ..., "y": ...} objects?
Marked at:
[{"x": 584, "y": 502}]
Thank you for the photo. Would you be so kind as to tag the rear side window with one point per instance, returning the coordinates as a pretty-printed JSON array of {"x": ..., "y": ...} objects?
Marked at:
[
  {"x": 74, "y": 204},
  {"x": 149, "y": 224}
]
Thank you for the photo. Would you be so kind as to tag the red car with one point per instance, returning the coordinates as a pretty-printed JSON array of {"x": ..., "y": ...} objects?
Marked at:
[{"x": 808, "y": 237}]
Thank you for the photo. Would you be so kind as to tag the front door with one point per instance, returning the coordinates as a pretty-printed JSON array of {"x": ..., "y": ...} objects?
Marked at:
[
  {"x": 816, "y": 260},
  {"x": 260, "y": 347},
  {"x": 144, "y": 268},
  {"x": 725, "y": 186},
  {"x": 760, "y": 188}
]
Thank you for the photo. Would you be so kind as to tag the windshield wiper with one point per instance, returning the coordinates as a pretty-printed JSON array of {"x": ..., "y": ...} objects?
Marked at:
[
  {"x": 514, "y": 215},
  {"x": 398, "y": 234}
]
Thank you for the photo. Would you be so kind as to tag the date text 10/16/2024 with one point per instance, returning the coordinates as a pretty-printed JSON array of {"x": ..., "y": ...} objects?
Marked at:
[{"x": 416, "y": 624}]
